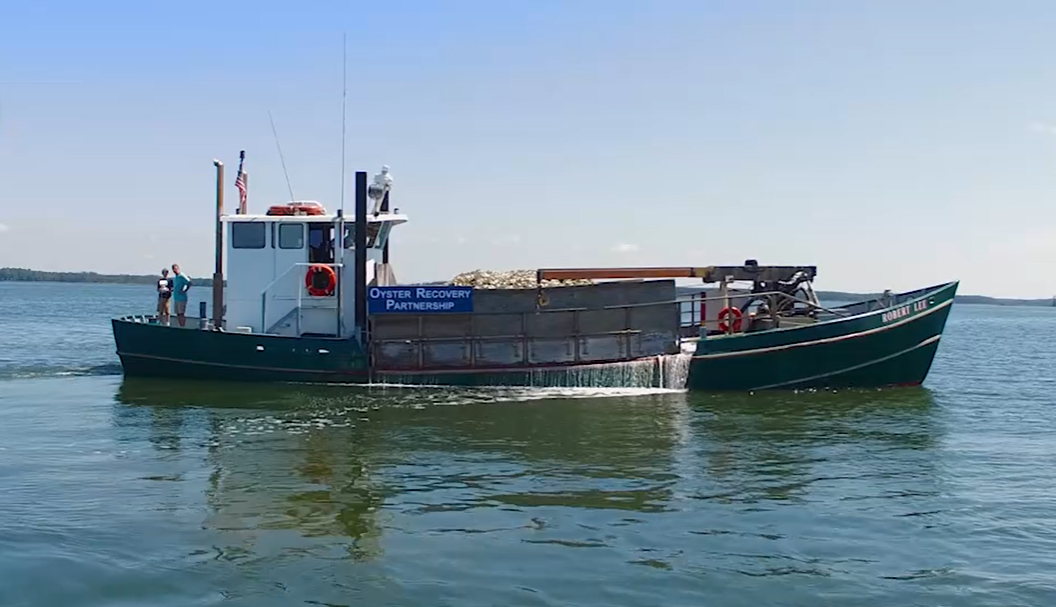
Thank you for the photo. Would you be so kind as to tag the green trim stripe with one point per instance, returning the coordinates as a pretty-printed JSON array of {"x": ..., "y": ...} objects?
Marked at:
[{"x": 828, "y": 340}]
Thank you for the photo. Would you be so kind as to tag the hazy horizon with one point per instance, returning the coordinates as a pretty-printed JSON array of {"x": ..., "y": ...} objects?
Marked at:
[
  {"x": 894, "y": 145},
  {"x": 680, "y": 283}
]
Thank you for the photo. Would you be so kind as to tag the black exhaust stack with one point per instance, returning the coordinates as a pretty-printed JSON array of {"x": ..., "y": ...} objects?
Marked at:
[
  {"x": 218, "y": 272},
  {"x": 361, "y": 256},
  {"x": 385, "y": 209}
]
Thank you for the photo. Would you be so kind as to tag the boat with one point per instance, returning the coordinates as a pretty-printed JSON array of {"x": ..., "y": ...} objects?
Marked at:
[
  {"x": 287, "y": 307},
  {"x": 775, "y": 333}
]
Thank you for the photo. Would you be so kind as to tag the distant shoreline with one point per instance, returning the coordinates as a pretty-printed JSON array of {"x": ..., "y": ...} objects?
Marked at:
[
  {"x": 26, "y": 275},
  {"x": 843, "y": 296}
]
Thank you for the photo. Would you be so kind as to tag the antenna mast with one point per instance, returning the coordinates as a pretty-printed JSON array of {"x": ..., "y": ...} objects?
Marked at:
[
  {"x": 281, "y": 159},
  {"x": 344, "y": 96}
]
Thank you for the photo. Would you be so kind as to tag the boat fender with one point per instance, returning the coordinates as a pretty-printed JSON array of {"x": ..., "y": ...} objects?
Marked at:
[
  {"x": 724, "y": 314},
  {"x": 309, "y": 280}
]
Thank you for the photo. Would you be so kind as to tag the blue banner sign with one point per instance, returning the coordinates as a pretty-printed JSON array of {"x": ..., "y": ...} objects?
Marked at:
[{"x": 419, "y": 300}]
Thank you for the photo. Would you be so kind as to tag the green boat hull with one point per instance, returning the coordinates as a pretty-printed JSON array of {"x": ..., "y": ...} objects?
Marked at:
[
  {"x": 147, "y": 349},
  {"x": 890, "y": 346},
  {"x": 867, "y": 348}
]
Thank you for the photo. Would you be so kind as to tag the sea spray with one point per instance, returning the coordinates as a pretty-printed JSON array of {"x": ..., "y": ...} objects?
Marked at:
[
  {"x": 665, "y": 371},
  {"x": 674, "y": 370}
]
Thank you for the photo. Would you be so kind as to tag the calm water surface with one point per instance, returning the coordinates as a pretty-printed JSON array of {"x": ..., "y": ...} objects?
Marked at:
[{"x": 120, "y": 492}]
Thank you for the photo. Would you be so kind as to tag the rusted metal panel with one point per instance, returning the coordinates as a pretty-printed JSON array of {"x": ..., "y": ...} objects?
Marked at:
[
  {"x": 591, "y": 296},
  {"x": 655, "y": 318},
  {"x": 492, "y": 301},
  {"x": 495, "y": 325},
  {"x": 396, "y": 355},
  {"x": 544, "y": 350},
  {"x": 550, "y": 324},
  {"x": 446, "y": 325},
  {"x": 394, "y": 326},
  {"x": 603, "y": 347},
  {"x": 499, "y": 352},
  {"x": 649, "y": 343},
  {"x": 602, "y": 321},
  {"x": 453, "y": 353}
]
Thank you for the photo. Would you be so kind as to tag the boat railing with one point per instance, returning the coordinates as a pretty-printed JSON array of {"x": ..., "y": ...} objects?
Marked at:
[
  {"x": 624, "y": 331},
  {"x": 694, "y": 299},
  {"x": 264, "y": 327},
  {"x": 696, "y": 303}
]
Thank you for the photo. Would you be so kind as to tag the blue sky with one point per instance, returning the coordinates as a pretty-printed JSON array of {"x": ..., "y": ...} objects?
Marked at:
[{"x": 893, "y": 144}]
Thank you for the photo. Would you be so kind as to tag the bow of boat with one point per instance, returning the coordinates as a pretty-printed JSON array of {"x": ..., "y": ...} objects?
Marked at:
[{"x": 886, "y": 341}]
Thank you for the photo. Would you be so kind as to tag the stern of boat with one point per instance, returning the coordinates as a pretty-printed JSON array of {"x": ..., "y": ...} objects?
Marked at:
[{"x": 149, "y": 349}]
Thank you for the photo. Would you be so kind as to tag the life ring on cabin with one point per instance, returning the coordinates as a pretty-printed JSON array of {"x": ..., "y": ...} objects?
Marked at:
[
  {"x": 311, "y": 283},
  {"x": 724, "y": 314},
  {"x": 297, "y": 208}
]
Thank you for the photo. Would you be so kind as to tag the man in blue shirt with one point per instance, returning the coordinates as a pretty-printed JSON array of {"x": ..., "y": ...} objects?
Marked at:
[{"x": 180, "y": 285}]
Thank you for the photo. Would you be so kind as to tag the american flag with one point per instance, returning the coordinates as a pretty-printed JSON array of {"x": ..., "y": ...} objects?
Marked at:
[{"x": 240, "y": 182}]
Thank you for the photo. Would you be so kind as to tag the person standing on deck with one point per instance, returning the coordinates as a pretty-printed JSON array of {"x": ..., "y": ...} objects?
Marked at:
[
  {"x": 164, "y": 294},
  {"x": 180, "y": 285}
]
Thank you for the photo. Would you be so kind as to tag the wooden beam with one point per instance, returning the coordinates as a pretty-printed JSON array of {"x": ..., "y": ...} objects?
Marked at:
[
  {"x": 603, "y": 273},
  {"x": 706, "y": 274}
]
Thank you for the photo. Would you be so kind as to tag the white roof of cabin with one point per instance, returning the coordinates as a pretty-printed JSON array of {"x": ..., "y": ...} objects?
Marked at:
[{"x": 396, "y": 218}]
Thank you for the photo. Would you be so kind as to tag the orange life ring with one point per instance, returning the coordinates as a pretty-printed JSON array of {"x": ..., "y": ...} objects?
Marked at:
[
  {"x": 331, "y": 280},
  {"x": 726, "y": 313},
  {"x": 297, "y": 208}
]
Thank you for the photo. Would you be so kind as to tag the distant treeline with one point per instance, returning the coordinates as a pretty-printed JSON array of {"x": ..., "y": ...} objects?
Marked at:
[
  {"x": 843, "y": 296},
  {"x": 24, "y": 275}
]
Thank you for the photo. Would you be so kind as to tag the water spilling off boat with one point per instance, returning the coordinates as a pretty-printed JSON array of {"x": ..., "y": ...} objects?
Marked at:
[
  {"x": 294, "y": 309},
  {"x": 664, "y": 372}
]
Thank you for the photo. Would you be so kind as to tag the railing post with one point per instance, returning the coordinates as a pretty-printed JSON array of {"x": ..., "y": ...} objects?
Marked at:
[
  {"x": 473, "y": 343},
  {"x": 524, "y": 338},
  {"x": 575, "y": 335},
  {"x": 421, "y": 351}
]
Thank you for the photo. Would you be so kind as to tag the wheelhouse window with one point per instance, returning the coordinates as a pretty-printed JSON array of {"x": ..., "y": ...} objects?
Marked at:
[
  {"x": 320, "y": 243},
  {"x": 248, "y": 235},
  {"x": 373, "y": 229},
  {"x": 291, "y": 235},
  {"x": 383, "y": 234}
]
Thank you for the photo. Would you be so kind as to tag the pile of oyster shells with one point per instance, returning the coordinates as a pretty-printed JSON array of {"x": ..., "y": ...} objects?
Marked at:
[{"x": 509, "y": 279}]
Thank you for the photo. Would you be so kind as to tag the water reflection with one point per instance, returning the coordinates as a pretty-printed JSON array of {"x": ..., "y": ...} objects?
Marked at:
[
  {"x": 276, "y": 464},
  {"x": 667, "y": 480},
  {"x": 166, "y": 428},
  {"x": 328, "y": 461},
  {"x": 784, "y": 446}
]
